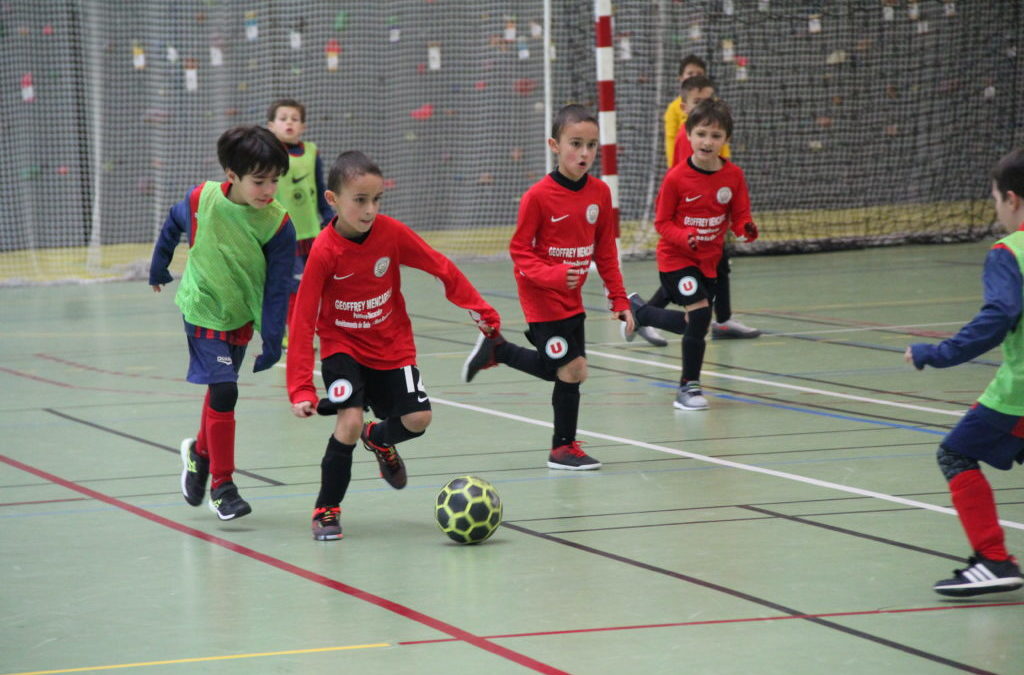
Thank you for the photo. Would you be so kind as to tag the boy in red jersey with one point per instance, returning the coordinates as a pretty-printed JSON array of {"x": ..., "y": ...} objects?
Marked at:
[
  {"x": 564, "y": 223},
  {"x": 351, "y": 297},
  {"x": 692, "y": 92},
  {"x": 241, "y": 246},
  {"x": 697, "y": 202}
]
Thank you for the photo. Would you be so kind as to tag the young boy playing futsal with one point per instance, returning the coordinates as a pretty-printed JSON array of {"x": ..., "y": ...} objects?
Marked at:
[
  {"x": 698, "y": 200},
  {"x": 694, "y": 88},
  {"x": 351, "y": 297},
  {"x": 992, "y": 430},
  {"x": 302, "y": 193},
  {"x": 564, "y": 223},
  {"x": 241, "y": 248}
]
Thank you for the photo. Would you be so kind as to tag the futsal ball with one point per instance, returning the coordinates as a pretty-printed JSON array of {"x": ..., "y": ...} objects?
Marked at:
[{"x": 468, "y": 509}]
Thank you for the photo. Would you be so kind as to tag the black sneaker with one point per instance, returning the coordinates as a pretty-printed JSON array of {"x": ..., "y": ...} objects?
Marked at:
[
  {"x": 982, "y": 576},
  {"x": 195, "y": 473},
  {"x": 227, "y": 504},
  {"x": 572, "y": 457},
  {"x": 482, "y": 356},
  {"x": 325, "y": 523},
  {"x": 392, "y": 468}
]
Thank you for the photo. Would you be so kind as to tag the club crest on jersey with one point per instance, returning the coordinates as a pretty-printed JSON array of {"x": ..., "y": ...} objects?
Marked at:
[
  {"x": 380, "y": 268},
  {"x": 724, "y": 195},
  {"x": 556, "y": 347},
  {"x": 592, "y": 212},
  {"x": 687, "y": 286},
  {"x": 339, "y": 391}
]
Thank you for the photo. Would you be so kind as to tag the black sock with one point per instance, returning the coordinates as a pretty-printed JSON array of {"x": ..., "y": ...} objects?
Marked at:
[
  {"x": 335, "y": 472},
  {"x": 522, "y": 359},
  {"x": 392, "y": 432},
  {"x": 723, "y": 300},
  {"x": 694, "y": 342},
  {"x": 671, "y": 320},
  {"x": 565, "y": 399}
]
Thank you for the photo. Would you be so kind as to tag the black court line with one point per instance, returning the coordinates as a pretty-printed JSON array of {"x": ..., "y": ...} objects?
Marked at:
[
  {"x": 853, "y": 632},
  {"x": 143, "y": 441},
  {"x": 852, "y": 533}
]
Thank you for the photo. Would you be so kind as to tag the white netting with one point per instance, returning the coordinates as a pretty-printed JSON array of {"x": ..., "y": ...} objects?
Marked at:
[{"x": 870, "y": 129}]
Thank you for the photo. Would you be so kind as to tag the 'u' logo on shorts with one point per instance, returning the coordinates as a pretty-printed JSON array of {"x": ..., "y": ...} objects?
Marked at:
[
  {"x": 339, "y": 391},
  {"x": 687, "y": 286},
  {"x": 556, "y": 347}
]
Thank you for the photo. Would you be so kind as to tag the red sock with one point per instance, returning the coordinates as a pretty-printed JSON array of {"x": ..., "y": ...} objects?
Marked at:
[
  {"x": 201, "y": 448},
  {"x": 220, "y": 437},
  {"x": 976, "y": 506}
]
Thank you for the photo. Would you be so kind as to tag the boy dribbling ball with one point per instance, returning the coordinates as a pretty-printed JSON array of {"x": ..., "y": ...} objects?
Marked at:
[{"x": 350, "y": 297}]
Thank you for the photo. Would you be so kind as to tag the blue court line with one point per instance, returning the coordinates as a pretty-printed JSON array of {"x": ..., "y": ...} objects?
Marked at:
[{"x": 808, "y": 411}]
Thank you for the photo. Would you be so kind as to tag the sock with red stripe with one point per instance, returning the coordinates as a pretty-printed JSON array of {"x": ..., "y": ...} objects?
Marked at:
[
  {"x": 976, "y": 507},
  {"x": 220, "y": 439}
]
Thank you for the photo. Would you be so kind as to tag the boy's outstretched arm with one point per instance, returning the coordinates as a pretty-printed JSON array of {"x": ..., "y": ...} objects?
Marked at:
[
  {"x": 280, "y": 254},
  {"x": 178, "y": 222},
  {"x": 1000, "y": 313}
]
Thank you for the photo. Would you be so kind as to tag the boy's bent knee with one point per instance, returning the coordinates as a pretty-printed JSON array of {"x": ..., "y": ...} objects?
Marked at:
[
  {"x": 223, "y": 396},
  {"x": 574, "y": 372},
  {"x": 952, "y": 463},
  {"x": 417, "y": 422}
]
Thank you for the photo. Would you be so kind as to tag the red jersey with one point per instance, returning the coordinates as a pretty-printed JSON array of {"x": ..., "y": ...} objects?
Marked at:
[
  {"x": 351, "y": 296},
  {"x": 564, "y": 223},
  {"x": 693, "y": 201}
]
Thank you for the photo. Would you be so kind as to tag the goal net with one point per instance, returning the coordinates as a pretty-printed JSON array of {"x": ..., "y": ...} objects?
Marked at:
[{"x": 857, "y": 123}]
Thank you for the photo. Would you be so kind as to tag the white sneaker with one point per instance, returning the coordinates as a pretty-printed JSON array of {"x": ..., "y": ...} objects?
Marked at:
[
  {"x": 732, "y": 330},
  {"x": 690, "y": 397}
]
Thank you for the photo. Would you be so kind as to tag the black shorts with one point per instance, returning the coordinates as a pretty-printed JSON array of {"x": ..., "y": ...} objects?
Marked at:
[
  {"x": 388, "y": 393},
  {"x": 558, "y": 342},
  {"x": 688, "y": 286}
]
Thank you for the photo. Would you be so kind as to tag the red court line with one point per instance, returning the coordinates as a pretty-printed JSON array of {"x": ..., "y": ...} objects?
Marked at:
[
  {"x": 406, "y": 612},
  {"x": 707, "y": 622}
]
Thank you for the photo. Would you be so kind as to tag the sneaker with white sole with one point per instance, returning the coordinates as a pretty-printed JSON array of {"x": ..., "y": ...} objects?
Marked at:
[
  {"x": 690, "y": 397},
  {"x": 226, "y": 502},
  {"x": 482, "y": 356},
  {"x": 982, "y": 576},
  {"x": 733, "y": 330},
  {"x": 326, "y": 526},
  {"x": 572, "y": 457},
  {"x": 195, "y": 473}
]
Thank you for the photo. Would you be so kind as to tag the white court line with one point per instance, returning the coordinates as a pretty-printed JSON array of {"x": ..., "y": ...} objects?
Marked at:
[
  {"x": 783, "y": 385},
  {"x": 714, "y": 460},
  {"x": 723, "y": 462}
]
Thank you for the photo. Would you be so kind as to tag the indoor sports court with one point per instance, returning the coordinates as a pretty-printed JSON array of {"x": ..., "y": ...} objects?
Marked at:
[{"x": 795, "y": 526}]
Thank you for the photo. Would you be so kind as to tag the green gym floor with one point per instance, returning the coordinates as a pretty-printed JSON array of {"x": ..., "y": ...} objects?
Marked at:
[{"x": 795, "y": 527}]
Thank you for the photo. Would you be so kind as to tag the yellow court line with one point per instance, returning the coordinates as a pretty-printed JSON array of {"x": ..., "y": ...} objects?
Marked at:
[{"x": 199, "y": 659}]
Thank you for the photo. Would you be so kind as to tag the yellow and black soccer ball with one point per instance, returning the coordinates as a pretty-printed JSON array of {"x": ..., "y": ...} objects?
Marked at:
[{"x": 468, "y": 509}]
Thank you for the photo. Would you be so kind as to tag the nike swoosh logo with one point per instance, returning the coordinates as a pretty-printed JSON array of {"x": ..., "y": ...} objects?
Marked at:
[
  {"x": 422, "y": 399},
  {"x": 344, "y": 277},
  {"x": 555, "y": 220},
  {"x": 692, "y": 199},
  {"x": 296, "y": 180}
]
